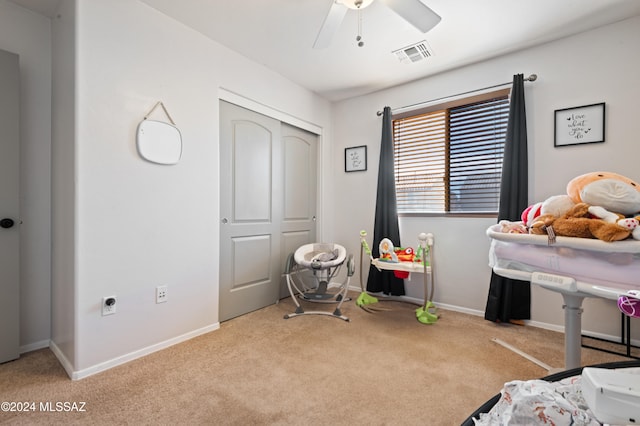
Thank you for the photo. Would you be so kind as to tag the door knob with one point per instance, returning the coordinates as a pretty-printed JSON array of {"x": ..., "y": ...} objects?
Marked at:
[{"x": 6, "y": 223}]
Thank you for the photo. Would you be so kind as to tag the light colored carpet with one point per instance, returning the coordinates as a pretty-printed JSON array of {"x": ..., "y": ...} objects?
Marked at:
[{"x": 260, "y": 369}]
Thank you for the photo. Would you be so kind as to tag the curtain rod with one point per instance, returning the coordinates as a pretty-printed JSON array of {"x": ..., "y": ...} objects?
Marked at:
[{"x": 532, "y": 77}]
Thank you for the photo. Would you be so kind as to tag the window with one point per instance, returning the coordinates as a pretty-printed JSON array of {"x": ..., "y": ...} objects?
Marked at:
[{"x": 448, "y": 159}]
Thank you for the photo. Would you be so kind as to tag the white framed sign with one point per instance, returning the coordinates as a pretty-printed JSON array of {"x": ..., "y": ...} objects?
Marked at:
[
  {"x": 355, "y": 159},
  {"x": 579, "y": 125}
]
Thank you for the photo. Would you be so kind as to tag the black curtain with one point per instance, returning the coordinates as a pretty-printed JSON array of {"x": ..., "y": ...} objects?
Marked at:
[
  {"x": 386, "y": 220},
  {"x": 511, "y": 299}
]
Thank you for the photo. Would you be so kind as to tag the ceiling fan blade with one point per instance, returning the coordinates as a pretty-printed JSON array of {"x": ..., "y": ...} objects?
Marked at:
[
  {"x": 415, "y": 12},
  {"x": 330, "y": 25}
]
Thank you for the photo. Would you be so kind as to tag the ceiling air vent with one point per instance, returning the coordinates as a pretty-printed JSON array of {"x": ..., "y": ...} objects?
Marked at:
[{"x": 414, "y": 53}]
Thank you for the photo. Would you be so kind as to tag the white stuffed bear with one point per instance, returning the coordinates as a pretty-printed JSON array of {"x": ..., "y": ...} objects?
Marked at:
[{"x": 556, "y": 205}]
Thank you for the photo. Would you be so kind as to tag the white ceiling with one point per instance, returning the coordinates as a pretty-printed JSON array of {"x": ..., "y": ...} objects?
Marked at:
[{"x": 280, "y": 34}]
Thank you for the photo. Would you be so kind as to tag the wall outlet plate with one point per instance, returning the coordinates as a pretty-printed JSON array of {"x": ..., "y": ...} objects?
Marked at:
[
  {"x": 161, "y": 294},
  {"x": 109, "y": 305}
]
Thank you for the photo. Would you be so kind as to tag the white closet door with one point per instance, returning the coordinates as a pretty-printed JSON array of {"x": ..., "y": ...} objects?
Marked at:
[
  {"x": 298, "y": 225},
  {"x": 267, "y": 205}
]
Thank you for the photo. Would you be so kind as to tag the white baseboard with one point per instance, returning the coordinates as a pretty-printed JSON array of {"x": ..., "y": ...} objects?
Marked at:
[
  {"x": 545, "y": 326},
  {"x": 62, "y": 359},
  {"x": 454, "y": 308},
  {"x": 103, "y": 366},
  {"x": 35, "y": 346},
  {"x": 354, "y": 288},
  {"x": 614, "y": 339},
  {"x": 538, "y": 324}
]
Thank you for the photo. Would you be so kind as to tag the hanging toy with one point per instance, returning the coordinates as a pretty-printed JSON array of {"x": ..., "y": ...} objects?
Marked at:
[{"x": 387, "y": 252}]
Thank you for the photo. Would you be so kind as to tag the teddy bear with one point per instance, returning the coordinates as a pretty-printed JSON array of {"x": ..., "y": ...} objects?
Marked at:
[
  {"x": 580, "y": 222},
  {"x": 611, "y": 191},
  {"x": 556, "y": 205},
  {"x": 603, "y": 197}
]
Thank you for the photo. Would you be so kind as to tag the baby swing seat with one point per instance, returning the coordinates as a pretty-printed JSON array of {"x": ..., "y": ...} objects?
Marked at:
[{"x": 324, "y": 260}]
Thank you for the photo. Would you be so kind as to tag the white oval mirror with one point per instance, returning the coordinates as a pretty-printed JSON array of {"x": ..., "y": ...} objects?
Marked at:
[{"x": 159, "y": 142}]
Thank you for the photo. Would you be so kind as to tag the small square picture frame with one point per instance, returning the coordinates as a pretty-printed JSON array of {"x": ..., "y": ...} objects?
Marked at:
[
  {"x": 579, "y": 125},
  {"x": 355, "y": 159}
]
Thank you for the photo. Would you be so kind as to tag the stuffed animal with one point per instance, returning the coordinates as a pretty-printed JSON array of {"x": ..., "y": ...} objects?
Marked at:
[
  {"x": 389, "y": 253},
  {"x": 610, "y": 191},
  {"x": 556, "y": 205},
  {"x": 614, "y": 192},
  {"x": 509, "y": 227},
  {"x": 609, "y": 197},
  {"x": 580, "y": 222}
]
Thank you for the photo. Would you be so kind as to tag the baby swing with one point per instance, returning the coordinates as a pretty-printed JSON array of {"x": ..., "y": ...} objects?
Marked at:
[{"x": 324, "y": 260}]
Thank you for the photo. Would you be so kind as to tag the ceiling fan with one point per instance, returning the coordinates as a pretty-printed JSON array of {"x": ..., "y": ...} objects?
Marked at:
[{"x": 413, "y": 11}]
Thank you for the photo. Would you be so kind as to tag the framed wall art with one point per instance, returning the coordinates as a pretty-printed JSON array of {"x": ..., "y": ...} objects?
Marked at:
[
  {"x": 579, "y": 125},
  {"x": 355, "y": 159}
]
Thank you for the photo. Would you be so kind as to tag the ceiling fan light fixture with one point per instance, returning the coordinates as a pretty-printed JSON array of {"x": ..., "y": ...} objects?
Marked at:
[
  {"x": 355, "y": 4},
  {"x": 415, "y": 12}
]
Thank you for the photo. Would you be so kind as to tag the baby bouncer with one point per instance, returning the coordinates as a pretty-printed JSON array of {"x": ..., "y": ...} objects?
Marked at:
[
  {"x": 402, "y": 261},
  {"x": 324, "y": 260}
]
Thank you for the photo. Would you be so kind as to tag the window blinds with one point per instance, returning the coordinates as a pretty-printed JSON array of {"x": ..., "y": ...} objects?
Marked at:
[{"x": 450, "y": 160}]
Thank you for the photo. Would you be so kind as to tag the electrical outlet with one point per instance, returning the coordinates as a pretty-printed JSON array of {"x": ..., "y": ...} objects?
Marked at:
[
  {"x": 108, "y": 305},
  {"x": 161, "y": 294}
]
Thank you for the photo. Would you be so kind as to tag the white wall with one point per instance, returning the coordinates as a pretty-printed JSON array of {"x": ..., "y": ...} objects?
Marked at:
[
  {"x": 63, "y": 186},
  {"x": 139, "y": 225},
  {"x": 597, "y": 66},
  {"x": 28, "y": 34}
]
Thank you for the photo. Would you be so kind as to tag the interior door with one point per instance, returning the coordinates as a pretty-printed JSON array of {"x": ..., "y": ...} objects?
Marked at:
[
  {"x": 9, "y": 206},
  {"x": 300, "y": 182},
  {"x": 267, "y": 205},
  {"x": 249, "y": 232}
]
